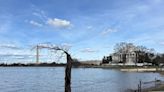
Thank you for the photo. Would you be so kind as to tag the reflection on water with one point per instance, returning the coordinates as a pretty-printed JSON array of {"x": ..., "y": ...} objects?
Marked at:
[{"x": 51, "y": 79}]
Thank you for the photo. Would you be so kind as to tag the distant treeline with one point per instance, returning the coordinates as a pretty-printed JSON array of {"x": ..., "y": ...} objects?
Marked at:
[
  {"x": 33, "y": 64},
  {"x": 75, "y": 63}
]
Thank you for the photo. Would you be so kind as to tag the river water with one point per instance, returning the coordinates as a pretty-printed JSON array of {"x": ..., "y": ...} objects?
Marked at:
[{"x": 51, "y": 79}]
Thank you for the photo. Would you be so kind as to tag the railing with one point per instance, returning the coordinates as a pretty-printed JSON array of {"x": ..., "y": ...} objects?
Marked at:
[{"x": 142, "y": 86}]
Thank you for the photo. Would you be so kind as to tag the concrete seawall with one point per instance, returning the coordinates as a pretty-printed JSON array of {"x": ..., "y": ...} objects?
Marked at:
[{"x": 142, "y": 70}]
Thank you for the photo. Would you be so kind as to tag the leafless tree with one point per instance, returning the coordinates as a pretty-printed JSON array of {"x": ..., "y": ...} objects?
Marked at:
[
  {"x": 123, "y": 49},
  {"x": 141, "y": 52},
  {"x": 64, "y": 50},
  {"x": 67, "y": 69}
]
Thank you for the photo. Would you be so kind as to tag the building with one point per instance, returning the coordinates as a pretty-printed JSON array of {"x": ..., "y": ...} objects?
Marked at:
[{"x": 129, "y": 58}]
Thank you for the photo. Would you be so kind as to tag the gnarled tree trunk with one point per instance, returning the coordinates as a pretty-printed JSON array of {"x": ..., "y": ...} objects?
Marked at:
[{"x": 68, "y": 73}]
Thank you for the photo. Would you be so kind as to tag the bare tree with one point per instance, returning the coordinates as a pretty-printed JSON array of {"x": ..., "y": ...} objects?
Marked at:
[
  {"x": 67, "y": 69},
  {"x": 68, "y": 65},
  {"x": 123, "y": 49}
]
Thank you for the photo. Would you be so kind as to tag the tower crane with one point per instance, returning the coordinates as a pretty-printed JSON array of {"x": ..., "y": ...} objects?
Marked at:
[{"x": 37, "y": 47}]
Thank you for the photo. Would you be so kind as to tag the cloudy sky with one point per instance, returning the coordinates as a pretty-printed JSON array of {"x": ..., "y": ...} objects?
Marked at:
[{"x": 90, "y": 27}]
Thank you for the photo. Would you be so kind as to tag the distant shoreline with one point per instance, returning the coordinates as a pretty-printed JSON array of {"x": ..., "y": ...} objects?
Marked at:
[
  {"x": 32, "y": 65},
  {"x": 117, "y": 67}
]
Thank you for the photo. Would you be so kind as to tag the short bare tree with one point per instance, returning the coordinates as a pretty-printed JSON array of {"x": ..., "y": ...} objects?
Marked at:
[
  {"x": 67, "y": 69},
  {"x": 69, "y": 59}
]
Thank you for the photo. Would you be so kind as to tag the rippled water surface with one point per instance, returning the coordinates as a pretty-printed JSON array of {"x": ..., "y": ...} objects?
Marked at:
[{"x": 51, "y": 79}]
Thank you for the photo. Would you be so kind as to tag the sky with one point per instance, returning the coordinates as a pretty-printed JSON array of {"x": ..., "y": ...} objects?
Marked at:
[{"x": 91, "y": 28}]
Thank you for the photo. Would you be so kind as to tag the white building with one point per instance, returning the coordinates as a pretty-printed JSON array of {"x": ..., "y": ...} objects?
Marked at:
[{"x": 119, "y": 57}]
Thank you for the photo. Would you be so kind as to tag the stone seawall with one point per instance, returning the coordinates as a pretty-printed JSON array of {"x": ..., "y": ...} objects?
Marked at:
[{"x": 142, "y": 70}]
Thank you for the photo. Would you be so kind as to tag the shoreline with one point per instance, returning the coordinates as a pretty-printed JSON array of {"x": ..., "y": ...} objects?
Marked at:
[{"x": 116, "y": 67}]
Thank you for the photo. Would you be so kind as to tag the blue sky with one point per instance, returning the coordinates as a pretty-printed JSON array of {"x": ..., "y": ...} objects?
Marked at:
[{"x": 90, "y": 27}]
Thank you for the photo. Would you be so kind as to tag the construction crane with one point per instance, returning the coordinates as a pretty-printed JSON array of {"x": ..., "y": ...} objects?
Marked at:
[
  {"x": 49, "y": 47},
  {"x": 37, "y": 54},
  {"x": 37, "y": 47}
]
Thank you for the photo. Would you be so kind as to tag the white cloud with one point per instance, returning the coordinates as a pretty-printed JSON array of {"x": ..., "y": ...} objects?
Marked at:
[
  {"x": 109, "y": 30},
  {"x": 143, "y": 8},
  {"x": 67, "y": 45},
  {"x": 15, "y": 53},
  {"x": 157, "y": 1},
  {"x": 3, "y": 29},
  {"x": 55, "y": 22},
  {"x": 59, "y": 23},
  {"x": 41, "y": 15},
  {"x": 5, "y": 26},
  {"x": 89, "y": 27},
  {"x": 36, "y": 14},
  {"x": 161, "y": 43},
  {"x": 9, "y": 46},
  {"x": 36, "y": 23},
  {"x": 89, "y": 50}
]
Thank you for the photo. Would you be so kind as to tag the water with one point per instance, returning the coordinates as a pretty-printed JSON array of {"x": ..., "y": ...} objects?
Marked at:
[{"x": 51, "y": 79}]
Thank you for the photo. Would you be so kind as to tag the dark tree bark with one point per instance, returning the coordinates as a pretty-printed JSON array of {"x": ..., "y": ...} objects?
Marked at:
[{"x": 68, "y": 73}]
